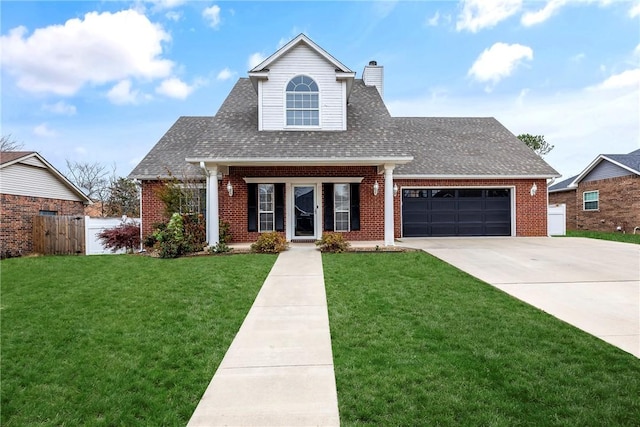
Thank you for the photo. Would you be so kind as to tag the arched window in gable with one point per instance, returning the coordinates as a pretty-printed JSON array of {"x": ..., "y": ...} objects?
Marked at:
[{"x": 303, "y": 106}]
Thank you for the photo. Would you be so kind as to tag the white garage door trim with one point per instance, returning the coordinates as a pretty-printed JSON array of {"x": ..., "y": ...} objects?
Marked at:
[{"x": 512, "y": 196}]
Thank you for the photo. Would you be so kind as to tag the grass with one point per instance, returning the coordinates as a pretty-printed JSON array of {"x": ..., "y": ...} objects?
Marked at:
[
  {"x": 418, "y": 342},
  {"x": 617, "y": 237},
  {"x": 117, "y": 340}
]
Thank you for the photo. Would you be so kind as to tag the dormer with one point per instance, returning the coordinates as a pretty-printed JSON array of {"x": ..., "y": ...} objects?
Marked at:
[{"x": 302, "y": 87}]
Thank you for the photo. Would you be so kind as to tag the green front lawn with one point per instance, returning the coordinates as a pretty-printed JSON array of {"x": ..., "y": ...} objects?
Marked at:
[
  {"x": 117, "y": 340},
  {"x": 418, "y": 342},
  {"x": 616, "y": 237}
]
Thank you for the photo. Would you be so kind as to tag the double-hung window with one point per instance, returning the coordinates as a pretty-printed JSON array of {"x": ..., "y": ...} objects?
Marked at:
[
  {"x": 266, "y": 207},
  {"x": 303, "y": 106},
  {"x": 341, "y": 205},
  {"x": 590, "y": 200}
]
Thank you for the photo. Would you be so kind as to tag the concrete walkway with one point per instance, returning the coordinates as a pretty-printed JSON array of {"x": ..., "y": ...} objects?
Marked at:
[{"x": 278, "y": 370}]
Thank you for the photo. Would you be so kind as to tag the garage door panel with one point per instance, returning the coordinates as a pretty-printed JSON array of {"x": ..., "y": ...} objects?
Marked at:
[{"x": 456, "y": 212}]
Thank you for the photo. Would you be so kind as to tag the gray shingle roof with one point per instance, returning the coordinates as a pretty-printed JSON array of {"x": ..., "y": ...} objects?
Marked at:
[
  {"x": 562, "y": 185},
  {"x": 439, "y": 146},
  {"x": 631, "y": 160}
]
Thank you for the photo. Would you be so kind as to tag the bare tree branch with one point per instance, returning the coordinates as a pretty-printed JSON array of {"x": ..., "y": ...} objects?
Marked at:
[{"x": 9, "y": 143}]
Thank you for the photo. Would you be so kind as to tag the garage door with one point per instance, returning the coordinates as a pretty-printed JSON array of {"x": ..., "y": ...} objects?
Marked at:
[{"x": 456, "y": 212}]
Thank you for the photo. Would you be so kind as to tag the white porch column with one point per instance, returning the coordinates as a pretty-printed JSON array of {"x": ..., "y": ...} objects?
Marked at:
[
  {"x": 388, "y": 206},
  {"x": 213, "y": 227}
]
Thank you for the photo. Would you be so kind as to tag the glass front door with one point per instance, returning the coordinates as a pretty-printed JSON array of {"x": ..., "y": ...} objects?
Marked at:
[{"x": 304, "y": 206}]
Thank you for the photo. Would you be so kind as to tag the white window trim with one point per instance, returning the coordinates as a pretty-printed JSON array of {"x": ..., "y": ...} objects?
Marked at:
[
  {"x": 335, "y": 209},
  {"x": 272, "y": 211},
  {"x": 597, "y": 200},
  {"x": 285, "y": 109}
]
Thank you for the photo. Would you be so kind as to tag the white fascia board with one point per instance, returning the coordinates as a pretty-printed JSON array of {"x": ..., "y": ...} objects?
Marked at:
[
  {"x": 301, "y": 38},
  {"x": 301, "y": 161},
  {"x": 61, "y": 177},
  {"x": 399, "y": 176},
  {"x": 303, "y": 179},
  {"x": 595, "y": 163}
]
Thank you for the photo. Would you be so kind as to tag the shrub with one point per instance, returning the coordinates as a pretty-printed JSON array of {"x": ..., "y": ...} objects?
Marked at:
[
  {"x": 220, "y": 248},
  {"x": 170, "y": 240},
  {"x": 195, "y": 233},
  {"x": 270, "y": 243},
  {"x": 124, "y": 236},
  {"x": 225, "y": 231},
  {"x": 332, "y": 242}
]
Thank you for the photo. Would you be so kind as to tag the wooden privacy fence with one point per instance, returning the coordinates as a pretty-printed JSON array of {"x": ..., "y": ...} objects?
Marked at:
[{"x": 58, "y": 235}]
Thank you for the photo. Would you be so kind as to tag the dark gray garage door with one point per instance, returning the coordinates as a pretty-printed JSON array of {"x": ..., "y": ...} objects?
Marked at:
[{"x": 456, "y": 212}]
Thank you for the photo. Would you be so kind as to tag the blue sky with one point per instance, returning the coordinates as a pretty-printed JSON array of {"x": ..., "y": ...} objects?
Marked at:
[{"x": 103, "y": 81}]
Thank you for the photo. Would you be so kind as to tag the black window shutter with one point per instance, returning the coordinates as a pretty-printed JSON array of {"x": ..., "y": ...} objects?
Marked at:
[
  {"x": 279, "y": 199},
  {"x": 355, "y": 206},
  {"x": 327, "y": 189},
  {"x": 252, "y": 207}
]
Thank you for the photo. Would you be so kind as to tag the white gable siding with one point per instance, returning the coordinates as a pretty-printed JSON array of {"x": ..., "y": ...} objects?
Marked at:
[
  {"x": 604, "y": 170},
  {"x": 36, "y": 181},
  {"x": 302, "y": 60}
]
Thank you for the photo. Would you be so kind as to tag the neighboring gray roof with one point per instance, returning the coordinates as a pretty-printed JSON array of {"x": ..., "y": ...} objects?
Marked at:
[
  {"x": 439, "y": 146},
  {"x": 562, "y": 185},
  {"x": 631, "y": 160}
]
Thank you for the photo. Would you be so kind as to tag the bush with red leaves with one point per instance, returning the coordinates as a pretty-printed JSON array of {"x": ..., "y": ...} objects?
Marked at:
[{"x": 124, "y": 236}]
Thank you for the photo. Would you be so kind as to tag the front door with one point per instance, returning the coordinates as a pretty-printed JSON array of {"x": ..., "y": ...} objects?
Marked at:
[{"x": 304, "y": 207}]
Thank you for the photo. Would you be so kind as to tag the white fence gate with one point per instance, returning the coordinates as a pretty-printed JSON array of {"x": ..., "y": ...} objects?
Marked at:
[
  {"x": 94, "y": 226},
  {"x": 557, "y": 220}
]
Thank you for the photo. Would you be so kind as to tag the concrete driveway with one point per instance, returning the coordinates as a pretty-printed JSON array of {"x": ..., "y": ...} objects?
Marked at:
[{"x": 591, "y": 284}]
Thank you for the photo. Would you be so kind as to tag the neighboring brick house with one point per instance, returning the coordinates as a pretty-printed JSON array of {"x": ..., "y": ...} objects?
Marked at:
[
  {"x": 30, "y": 186},
  {"x": 605, "y": 196},
  {"x": 302, "y": 147}
]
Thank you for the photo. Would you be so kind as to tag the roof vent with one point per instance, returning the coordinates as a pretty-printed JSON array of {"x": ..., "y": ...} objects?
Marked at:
[{"x": 373, "y": 63}]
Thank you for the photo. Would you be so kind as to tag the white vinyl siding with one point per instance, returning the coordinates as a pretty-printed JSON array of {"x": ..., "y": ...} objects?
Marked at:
[
  {"x": 590, "y": 200},
  {"x": 266, "y": 207},
  {"x": 35, "y": 180},
  {"x": 302, "y": 60},
  {"x": 341, "y": 203}
]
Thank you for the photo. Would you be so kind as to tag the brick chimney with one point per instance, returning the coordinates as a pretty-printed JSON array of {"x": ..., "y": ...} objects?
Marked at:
[{"x": 373, "y": 75}]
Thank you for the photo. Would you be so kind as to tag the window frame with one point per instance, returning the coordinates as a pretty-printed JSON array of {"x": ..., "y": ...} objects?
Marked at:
[
  {"x": 293, "y": 109},
  {"x": 336, "y": 210},
  {"x": 596, "y": 201},
  {"x": 261, "y": 211}
]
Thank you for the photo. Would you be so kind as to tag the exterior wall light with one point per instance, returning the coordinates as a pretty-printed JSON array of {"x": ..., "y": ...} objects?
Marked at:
[
  {"x": 395, "y": 190},
  {"x": 376, "y": 187},
  {"x": 534, "y": 189},
  {"x": 230, "y": 188}
]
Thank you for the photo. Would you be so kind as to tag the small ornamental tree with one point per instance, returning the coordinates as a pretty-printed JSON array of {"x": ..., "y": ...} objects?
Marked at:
[{"x": 124, "y": 236}]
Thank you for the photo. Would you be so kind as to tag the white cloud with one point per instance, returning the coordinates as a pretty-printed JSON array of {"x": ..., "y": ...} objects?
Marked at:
[
  {"x": 175, "y": 88},
  {"x": 44, "y": 131},
  {"x": 60, "y": 107},
  {"x": 121, "y": 94},
  {"x": 635, "y": 10},
  {"x": 576, "y": 122},
  {"x": 255, "y": 59},
  {"x": 101, "y": 48},
  {"x": 173, "y": 15},
  {"x": 166, "y": 4},
  {"x": 434, "y": 20},
  {"x": 212, "y": 14},
  {"x": 539, "y": 16},
  {"x": 626, "y": 79},
  {"x": 578, "y": 57},
  {"x": 499, "y": 61},
  {"x": 479, "y": 14},
  {"x": 225, "y": 74}
]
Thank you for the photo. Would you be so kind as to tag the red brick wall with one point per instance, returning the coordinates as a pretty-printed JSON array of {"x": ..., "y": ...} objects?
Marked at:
[
  {"x": 152, "y": 206},
  {"x": 569, "y": 199},
  {"x": 619, "y": 204},
  {"x": 234, "y": 209},
  {"x": 531, "y": 211},
  {"x": 16, "y": 224}
]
